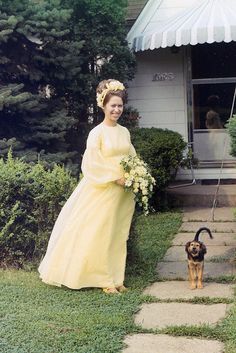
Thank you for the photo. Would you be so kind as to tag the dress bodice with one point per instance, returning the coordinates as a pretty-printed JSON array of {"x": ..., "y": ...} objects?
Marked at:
[{"x": 114, "y": 141}]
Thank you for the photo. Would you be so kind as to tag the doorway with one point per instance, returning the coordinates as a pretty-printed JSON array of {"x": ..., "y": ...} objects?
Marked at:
[{"x": 213, "y": 80}]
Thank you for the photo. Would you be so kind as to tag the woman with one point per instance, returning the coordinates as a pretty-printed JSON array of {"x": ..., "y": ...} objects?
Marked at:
[
  {"x": 87, "y": 247},
  {"x": 212, "y": 116}
]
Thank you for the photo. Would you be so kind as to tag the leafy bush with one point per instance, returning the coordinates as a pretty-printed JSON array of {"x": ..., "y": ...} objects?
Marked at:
[
  {"x": 130, "y": 118},
  {"x": 231, "y": 127},
  {"x": 163, "y": 151},
  {"x": 30, "y": 200}
]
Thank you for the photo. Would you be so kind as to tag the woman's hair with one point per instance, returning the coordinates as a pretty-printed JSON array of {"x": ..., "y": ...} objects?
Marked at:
[
  {"x": 103, "y": 88},
  {"x": 213, "y": 120}
]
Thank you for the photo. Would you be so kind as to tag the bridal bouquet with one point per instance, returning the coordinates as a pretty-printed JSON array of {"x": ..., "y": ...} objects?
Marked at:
[{"x": 139, "y": 180}]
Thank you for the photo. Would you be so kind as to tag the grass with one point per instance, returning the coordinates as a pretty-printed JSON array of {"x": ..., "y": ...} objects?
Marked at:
[
  {"x": 196, "y": 300},
  {"x": 36, "y": 318}
]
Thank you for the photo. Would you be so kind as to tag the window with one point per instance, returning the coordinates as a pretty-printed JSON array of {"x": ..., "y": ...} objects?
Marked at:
[
  {"x": 214, "y": 60},
  {"x": 213, "y": 80},
  {"x": 213, "y": 87}
]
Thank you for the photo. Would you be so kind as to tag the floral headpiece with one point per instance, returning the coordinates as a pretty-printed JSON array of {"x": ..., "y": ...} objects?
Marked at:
[{"x": 111, "y": 86}]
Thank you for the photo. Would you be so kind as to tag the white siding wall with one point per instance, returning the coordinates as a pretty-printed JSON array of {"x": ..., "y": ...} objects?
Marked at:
[{"x": 160, "y": 103}]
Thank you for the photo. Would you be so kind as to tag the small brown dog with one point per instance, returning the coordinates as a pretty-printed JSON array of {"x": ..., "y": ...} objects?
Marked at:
[{"x": 196, "y": 251}]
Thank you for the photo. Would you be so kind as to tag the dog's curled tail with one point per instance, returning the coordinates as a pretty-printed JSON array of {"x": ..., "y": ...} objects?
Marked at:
[{"x": 200, "y": 230}]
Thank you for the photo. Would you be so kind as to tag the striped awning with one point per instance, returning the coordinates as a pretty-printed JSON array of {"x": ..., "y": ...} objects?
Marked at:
[{"x": 207, "y": 21}]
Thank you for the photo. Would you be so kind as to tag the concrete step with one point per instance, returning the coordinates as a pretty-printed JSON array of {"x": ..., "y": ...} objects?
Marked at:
[
  {"x": 149, "y": 343},
  {"x": 204, "y": 214},
  {"x": 162, "y": 315},
  {"x": 203, "y": 195},
  {"x": 180, "y": 290}
]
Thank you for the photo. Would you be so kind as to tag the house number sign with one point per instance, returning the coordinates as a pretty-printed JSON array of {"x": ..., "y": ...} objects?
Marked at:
[{"x": 165, "y": 76}]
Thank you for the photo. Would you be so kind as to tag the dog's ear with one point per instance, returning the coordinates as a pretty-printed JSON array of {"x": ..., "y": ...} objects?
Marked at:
[
  {"x": 187, "y": 246},
  {"x": 203, "y": 248}
]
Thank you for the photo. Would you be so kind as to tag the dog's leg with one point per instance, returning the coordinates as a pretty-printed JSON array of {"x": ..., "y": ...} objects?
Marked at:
[
  {"x": 200, "y": 268},
  {"x": 191, "y": 272}
]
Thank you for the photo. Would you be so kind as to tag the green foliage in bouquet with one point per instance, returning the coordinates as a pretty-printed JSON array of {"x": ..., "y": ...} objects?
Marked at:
[
  {"x": 231, "y": 127},
  {"x": 162, "y": 150},
  {"x": 30, "y": 200}
]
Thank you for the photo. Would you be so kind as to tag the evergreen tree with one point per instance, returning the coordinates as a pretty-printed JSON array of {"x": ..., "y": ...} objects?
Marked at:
[
  {"x": 53, "y": 53},
  {"x": 105, "y": 53},
  {"x": 39, "y": 65}
]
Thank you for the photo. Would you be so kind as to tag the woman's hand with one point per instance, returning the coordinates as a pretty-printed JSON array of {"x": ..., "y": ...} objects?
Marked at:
[{"x": 120, "y": 181}]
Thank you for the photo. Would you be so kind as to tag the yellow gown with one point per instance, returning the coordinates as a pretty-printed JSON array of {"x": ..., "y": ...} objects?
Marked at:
[{"x": 87, "y": 247}]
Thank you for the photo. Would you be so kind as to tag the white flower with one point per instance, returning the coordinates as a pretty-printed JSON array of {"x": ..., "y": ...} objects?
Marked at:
[
  {"x": 138, "y": 180},
  {"x": 128, "y": 183}
]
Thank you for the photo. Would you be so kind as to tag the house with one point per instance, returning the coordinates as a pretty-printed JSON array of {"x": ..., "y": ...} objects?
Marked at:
[
  {"x": 186, "y": 75},
  {"x": 133, "y": 11}
]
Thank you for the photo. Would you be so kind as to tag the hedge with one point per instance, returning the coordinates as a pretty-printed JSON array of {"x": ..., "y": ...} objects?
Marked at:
[
  {"x": 30, "y": 200},
  {"x": 163, "y": 150},
  {"x": 231, "y": 127}
]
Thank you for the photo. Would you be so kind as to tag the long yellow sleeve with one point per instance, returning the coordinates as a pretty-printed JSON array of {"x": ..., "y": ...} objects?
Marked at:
[
  {"x": 132, "y": 151},
  {"x": 96, "y": 167}
]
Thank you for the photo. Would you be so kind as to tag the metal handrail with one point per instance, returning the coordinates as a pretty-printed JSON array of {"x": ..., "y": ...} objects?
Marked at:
[{"x": 193, "y": 182}]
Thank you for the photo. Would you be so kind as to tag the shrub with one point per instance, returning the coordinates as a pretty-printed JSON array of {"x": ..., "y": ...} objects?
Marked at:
[
  {"x": 130, "y": 118},
  {"x": 30, "y": 200},
  {"x": 231, "y": 127},
  {"x": 163, "y": 151}
]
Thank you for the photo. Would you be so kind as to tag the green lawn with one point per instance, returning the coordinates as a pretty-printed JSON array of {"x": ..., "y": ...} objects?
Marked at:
[{"x": 36, "y": 318}]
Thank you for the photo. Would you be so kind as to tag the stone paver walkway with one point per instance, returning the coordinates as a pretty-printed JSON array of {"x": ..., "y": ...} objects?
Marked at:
[
  {"x": 219, "y": 261},
  {"x": 179, "y": 290},
  {"x": 214, "y": 253},
  {"x": 221, "y": 214},
  {"x": 162, "y": 315},
  {"x": 177, "y": 270},
  {"x": 219, "y": 239},
  {"x": 147, "y": 343},
  {"x": 219, "y": 227}
]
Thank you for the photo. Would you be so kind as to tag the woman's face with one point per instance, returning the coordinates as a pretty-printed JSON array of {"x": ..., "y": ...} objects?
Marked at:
[{"x": 113, "y": 110}]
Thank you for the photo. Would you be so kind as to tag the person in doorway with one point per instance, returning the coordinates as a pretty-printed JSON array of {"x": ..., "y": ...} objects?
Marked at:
[
  {"x": 87, "y": 247},
  {"x": 212, "y": 117}
]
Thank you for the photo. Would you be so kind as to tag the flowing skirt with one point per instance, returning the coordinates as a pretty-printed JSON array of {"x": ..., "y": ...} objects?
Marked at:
[{"x": 87, "y": 247}]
